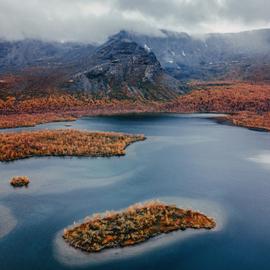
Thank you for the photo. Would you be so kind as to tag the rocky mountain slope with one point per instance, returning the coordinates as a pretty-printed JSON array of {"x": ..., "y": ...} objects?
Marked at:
[{"x": 122, "y": 69}]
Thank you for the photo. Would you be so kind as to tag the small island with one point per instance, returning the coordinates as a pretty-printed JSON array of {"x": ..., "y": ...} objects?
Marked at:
[
  {"x": 68, "y": 142},
  {"x": 20, "y": 181},
  {"x": 134, "y": 225}
]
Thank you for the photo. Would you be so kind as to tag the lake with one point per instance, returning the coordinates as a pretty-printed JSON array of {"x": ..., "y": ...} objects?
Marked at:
[{"x": 189, "y": 160}]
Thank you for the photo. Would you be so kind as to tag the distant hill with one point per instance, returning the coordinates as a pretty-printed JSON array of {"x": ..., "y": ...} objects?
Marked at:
[
  {"x": 243, "y": 56},
  {"x": 18, "y": 55}
]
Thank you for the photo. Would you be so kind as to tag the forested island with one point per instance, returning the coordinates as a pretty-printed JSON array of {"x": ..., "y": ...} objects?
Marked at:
[
  {"x": 134, "y": 225},
  {"x": 20, "y": 181}
]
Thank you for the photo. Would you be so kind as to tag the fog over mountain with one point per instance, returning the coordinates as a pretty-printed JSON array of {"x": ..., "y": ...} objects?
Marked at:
[
  {"x": 240, "y": 56},
  {"x": 95, "y": 20},
  {"x": 65, "y": 35}
]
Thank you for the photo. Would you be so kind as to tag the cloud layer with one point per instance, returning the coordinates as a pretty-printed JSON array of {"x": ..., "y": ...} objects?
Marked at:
[{"x": 94, "y": 20}]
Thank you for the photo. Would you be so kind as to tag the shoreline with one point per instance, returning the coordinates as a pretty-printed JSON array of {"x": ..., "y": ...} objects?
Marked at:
[
  {"x": 134, "y": 225},
  {"x": 67, "y": 255},
  {"x": 113, "y": 114},
  {"x": 64, "y": 142},
  {"x": 246, "y": 105},
  {"x": 250, "y": 120}
]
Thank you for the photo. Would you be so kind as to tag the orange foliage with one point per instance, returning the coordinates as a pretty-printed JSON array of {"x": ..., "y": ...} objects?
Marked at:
[
  {"x": 250, "y": 120},
  {"x": 63, "y": 143},
  {"x": 19, "y": 181},
  {"x": 223, "y": 97},
  {"x": 134, "y": 225},
  {"x": 30, "y": 112},
  {"x": 69, "y": 103},
  {"x": 29, "y": 120},
  {"x": 248, "y": 104}
]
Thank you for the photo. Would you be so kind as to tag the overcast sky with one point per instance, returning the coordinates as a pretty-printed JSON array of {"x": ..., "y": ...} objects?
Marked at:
[{"x": 94, "y": 20}]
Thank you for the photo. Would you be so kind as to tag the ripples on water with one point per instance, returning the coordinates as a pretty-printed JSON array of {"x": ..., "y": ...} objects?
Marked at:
[{"x": 222, "y": 171}]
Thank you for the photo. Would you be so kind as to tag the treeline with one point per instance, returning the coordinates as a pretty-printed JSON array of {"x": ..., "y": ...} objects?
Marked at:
[
  {"x": 250, "y": 120},
  {"x": 68, "y": 103},
  {"x": 247, "y": 104}
]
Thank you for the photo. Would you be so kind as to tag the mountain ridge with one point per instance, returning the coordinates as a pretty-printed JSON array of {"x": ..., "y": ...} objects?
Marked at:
[{"x": 161, "y": 68}]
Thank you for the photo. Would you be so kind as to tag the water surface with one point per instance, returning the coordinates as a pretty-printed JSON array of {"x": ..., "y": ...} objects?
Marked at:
[{"x": 187, "y": 159}]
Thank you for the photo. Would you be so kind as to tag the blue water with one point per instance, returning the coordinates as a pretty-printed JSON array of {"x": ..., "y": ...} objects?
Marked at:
[{"x": 184, "y": 156}]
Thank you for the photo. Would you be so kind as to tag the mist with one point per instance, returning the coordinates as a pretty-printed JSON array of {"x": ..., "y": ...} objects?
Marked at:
[{"x": 95, "y": 20}]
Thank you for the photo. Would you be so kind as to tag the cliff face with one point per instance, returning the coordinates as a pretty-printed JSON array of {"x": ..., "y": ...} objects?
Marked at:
[{"x": 123, "y": 69}]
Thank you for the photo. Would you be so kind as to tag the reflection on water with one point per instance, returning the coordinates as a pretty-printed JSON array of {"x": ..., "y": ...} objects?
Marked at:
[
  {"x": 263, "y": 158},
  {"x": 48, "y": 175},
  {"x": 7, "y": 221}
]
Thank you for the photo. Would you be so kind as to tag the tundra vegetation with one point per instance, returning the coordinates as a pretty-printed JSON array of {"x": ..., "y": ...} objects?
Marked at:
[
  {"x": 134, "y": 225},
  {"x": 247, "y": 105},
  {"x": 66, "y": 142},
  {"x": 33, "y": 111},
  {"x": 30, "y": 120},
  {"x": 260, "y": 121}
]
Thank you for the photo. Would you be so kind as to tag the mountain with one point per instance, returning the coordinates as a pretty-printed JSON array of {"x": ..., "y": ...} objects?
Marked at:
[
  {"x": 243, "y": 56},
  {"x": 16, "y": 56},
  {"x": 132, "y": 65},
  {"x": 121, "y": 68}
]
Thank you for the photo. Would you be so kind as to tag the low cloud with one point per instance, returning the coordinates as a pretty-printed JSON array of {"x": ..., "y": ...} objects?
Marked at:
[{"x": 95, "y": 20}]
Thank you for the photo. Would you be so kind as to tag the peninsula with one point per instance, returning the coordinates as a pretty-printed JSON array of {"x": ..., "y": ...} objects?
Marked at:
[{"x": 61, "y": 142}]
